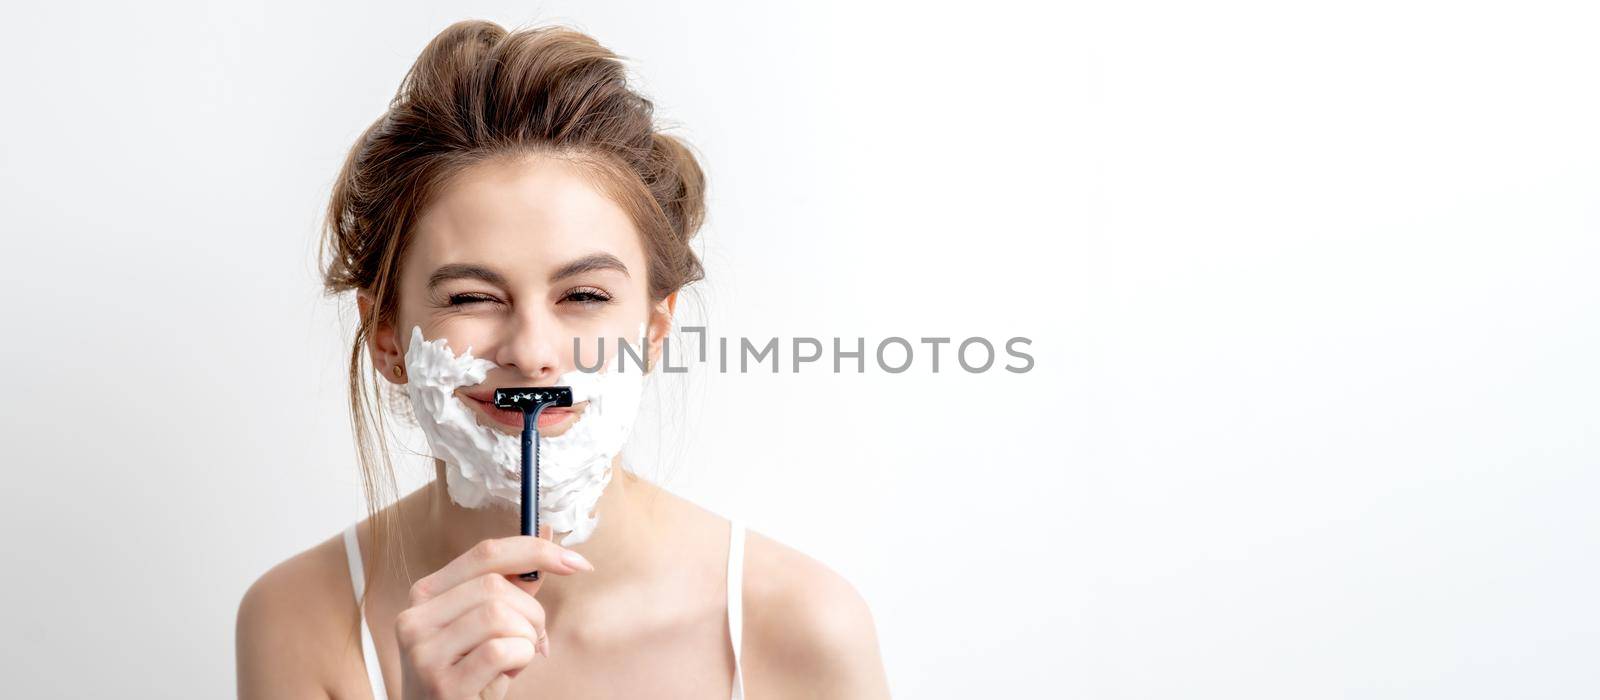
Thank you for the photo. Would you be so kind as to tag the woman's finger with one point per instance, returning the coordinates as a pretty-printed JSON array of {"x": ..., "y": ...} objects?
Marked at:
[
  {"x": 497, "y": 688},
  {"x": 494, "y": 618},
  {"x": 491, "y": 661},
  {"x": 506, "y": 555},
  {"x": 416, "y": 623}
]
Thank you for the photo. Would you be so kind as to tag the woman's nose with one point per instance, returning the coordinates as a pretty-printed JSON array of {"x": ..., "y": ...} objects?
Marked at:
[{"x": 529, "y": 345}]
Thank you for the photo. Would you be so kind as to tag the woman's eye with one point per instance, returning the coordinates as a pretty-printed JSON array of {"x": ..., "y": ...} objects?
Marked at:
[
  {"x": 468, "y": 299},
  {"x": 587, "y": 295}
]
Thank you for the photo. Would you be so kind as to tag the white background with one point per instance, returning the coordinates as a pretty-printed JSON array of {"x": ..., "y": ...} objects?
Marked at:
[{"x": 1311, "y": 290}]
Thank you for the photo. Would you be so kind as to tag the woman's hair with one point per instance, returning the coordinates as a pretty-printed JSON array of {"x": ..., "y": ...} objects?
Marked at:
[{"x": 479, "y": 92}]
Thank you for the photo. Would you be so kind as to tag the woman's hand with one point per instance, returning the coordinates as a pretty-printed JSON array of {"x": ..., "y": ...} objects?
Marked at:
[{"x": 470, "y": 629}]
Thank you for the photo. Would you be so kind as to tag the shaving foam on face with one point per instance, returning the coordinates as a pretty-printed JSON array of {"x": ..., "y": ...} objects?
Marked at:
[{"x": 483, "y": 466}]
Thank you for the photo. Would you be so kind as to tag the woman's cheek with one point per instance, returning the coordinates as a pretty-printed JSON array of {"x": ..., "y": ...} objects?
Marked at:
[{"x": 462, "y": 333}]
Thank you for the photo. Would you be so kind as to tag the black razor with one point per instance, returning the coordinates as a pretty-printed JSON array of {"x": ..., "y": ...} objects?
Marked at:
[{"x": 531, "y": 400}]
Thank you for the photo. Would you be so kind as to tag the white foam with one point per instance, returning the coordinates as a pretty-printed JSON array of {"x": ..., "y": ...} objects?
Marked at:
[{"x": 483, "y": 466}]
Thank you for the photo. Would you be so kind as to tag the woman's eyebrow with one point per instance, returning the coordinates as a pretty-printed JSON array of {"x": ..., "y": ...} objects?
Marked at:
[
  {"x": 465, "y": 271},
  {"x": 587, "y": 263}
]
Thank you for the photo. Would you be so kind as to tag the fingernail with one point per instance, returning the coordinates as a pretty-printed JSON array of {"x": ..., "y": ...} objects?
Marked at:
[{"x": 576, "y": 560}]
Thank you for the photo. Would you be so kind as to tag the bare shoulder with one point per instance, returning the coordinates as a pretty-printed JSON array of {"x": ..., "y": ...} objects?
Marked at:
[
  {"x": 291, "y": 625},
  {"x": 808, "y": 632}
]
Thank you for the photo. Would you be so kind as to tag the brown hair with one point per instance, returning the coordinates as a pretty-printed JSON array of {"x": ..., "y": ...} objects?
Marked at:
[{"x": 478, "y": 92}]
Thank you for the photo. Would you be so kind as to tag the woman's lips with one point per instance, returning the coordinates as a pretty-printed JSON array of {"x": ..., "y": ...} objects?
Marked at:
[{"x": 551, "y": 417}]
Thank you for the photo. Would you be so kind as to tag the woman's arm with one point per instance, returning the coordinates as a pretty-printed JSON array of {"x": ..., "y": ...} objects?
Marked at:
[
  {"x": 808, "y": 631},
  {"x": 281, "y": 634}
]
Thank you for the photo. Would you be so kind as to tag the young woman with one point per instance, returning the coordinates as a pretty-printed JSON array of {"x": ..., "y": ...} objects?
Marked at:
[{"x": 514, "y": 199}]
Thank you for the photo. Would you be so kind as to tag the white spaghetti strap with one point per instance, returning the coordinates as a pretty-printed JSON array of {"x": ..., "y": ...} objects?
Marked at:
[
  {"x": 736, "y": 600},
  {"x": 369, "y": 651}
]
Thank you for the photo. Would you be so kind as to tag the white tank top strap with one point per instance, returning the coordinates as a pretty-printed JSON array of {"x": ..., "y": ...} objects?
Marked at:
[
  {"x": 352, "y": 552},
  {"x": 736, "y": 600}
]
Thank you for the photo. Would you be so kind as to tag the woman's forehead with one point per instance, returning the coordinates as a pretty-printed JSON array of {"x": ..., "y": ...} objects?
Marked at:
[{"x": 527, "y": 214}]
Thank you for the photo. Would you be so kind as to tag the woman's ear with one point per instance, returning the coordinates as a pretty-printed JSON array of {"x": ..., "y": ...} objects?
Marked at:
[
  {"x": 660, "y": 325},
  {"x": 381, "y": 342}
]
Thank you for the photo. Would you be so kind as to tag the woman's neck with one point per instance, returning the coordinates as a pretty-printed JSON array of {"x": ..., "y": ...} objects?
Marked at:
[{"x": 618, "y": 546}]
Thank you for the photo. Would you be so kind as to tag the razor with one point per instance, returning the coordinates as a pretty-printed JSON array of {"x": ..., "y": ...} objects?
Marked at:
[{"x": 532, "y": 401}]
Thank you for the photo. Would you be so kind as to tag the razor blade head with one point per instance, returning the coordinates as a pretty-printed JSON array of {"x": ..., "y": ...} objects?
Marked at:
[{"x": 530, "y": 398}]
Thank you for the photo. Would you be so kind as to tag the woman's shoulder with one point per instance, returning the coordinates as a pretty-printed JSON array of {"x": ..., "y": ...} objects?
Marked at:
[
  {"x": 805, "y": 626},
  {"x": 292, "y": 622}
]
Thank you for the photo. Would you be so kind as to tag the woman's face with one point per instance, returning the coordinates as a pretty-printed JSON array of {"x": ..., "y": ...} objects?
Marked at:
[{"x": 517, "y": 258}]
